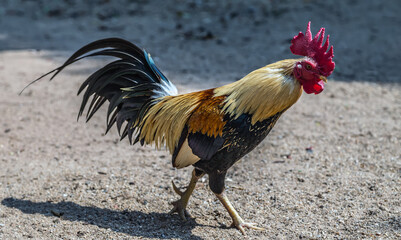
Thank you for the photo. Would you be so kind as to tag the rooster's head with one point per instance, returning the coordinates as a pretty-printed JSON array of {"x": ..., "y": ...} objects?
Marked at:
[{"x": 312, "y": 70}]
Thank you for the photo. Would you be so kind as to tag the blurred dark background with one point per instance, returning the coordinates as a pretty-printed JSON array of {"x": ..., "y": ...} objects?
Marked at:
[{"x": 214, "y": 40}]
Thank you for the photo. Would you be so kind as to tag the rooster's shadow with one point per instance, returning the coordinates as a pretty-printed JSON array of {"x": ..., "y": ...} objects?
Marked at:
[{"x": 134, "y": 223}]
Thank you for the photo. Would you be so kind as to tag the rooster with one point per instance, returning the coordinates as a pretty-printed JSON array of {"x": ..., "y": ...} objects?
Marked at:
[{"x": 210, "y": 129}]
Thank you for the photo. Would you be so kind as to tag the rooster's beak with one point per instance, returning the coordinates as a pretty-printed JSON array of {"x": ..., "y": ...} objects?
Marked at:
[{"x": 323, "y": 78}]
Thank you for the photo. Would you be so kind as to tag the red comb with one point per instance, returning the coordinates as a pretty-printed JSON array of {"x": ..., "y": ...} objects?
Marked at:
[{"x": 304, "y": 45}]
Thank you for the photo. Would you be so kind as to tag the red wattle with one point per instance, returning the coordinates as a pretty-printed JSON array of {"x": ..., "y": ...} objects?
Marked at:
[
  {"x": 319, "y": 86},
  {"x": 315, "y": 87}
]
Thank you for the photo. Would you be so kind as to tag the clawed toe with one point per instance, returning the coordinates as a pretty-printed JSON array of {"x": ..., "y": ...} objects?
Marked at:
[
  {"x": 242, "y": 225},
  {"x": 178, "y": 208}
]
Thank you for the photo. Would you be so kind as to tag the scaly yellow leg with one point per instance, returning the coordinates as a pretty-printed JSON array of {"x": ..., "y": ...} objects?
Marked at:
[
  {"x": 181, "y": 204},
  {"x": 238, "y": 222}
]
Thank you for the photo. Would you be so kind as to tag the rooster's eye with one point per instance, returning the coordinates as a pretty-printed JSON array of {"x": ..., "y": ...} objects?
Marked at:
[{"x": 308, "y": 67}]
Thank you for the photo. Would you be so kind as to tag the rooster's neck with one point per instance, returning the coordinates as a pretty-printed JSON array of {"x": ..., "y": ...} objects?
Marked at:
[{"x": 263, "y": 92}]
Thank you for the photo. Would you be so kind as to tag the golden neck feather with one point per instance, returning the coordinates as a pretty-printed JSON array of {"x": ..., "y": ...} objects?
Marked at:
[{"x": 263, "y": 92}]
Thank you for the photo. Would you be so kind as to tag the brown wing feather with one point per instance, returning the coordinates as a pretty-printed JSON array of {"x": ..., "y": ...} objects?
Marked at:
[
  {"x": 208, "y": 117},
  {"x": 207, "y": 120}
]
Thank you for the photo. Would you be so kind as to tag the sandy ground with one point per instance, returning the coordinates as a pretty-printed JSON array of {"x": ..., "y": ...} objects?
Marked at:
[{"x": 330, "y": 169}]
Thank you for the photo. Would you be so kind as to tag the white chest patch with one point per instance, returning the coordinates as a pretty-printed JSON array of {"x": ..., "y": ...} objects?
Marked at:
[{"x": 185, "y": 157}]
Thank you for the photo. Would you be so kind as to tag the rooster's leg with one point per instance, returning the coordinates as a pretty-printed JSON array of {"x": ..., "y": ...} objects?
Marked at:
[
  {"x": 181, "y": 204},
  {"x": 238, "y": 222},
  {"x": 216, "y": 183}
]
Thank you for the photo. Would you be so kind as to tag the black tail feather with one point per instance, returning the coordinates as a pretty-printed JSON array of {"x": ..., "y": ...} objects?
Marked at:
[{"x": 131, "y": 84}]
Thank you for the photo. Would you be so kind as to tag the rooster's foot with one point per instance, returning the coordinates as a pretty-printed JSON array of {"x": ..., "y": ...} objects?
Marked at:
[
  {"x": 180, "y": 207},
  {"x": 241, "y": 225},
  {"x": 181, "y": 204}
]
